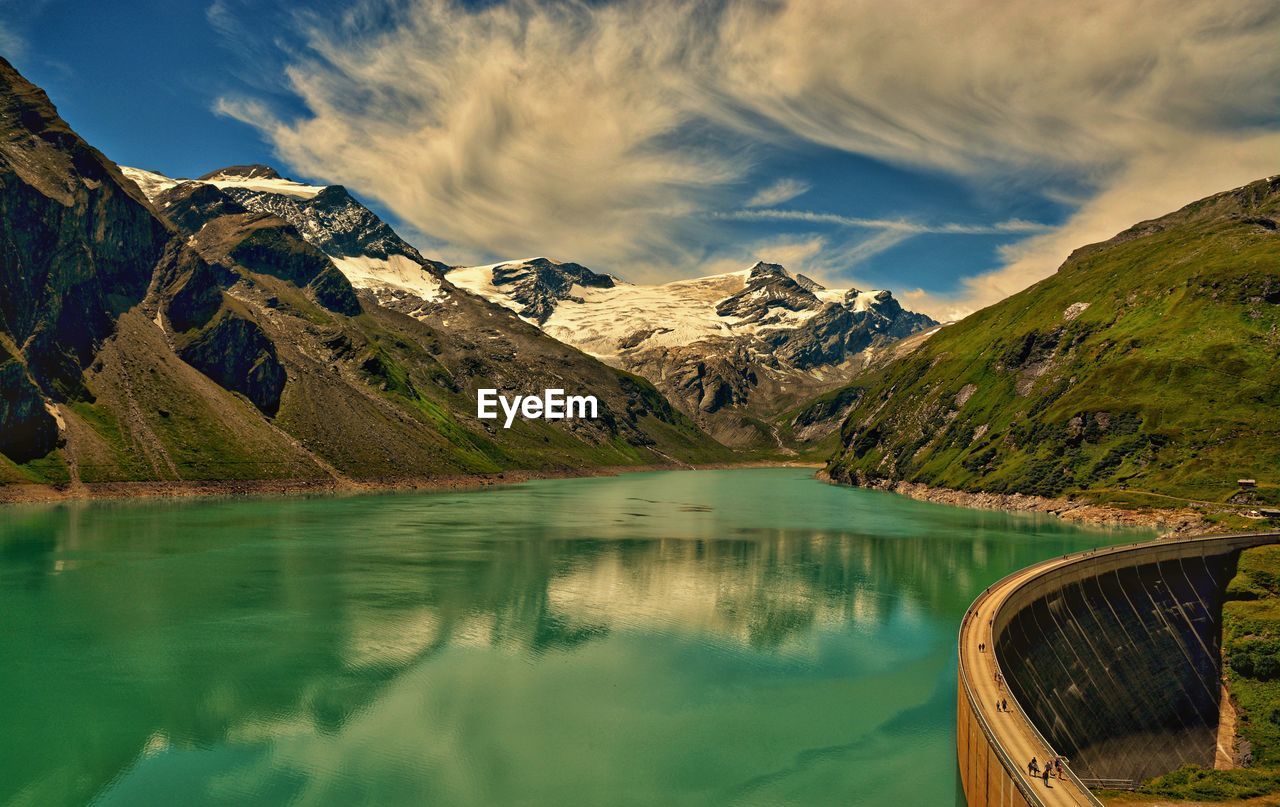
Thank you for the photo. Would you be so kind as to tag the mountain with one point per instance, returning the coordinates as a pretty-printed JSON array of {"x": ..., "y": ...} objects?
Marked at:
[
  {"x": 364, "y": 247},
  {"x": 731, "y": 351},
  {"x": 1145, "y": 365},
  {"x": 211, "y": 332}
]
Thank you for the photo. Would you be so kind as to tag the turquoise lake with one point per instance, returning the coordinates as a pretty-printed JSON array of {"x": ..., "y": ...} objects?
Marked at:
[{"x": 750, "y": 637}]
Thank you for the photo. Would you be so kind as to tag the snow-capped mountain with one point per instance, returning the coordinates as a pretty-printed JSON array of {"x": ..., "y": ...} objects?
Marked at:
[
  {"x": 363, "y": 247},
  {"x": 729, "y": 349}
]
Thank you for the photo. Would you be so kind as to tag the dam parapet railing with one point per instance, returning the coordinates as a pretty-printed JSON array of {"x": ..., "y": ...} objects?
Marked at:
[{"x": 1056, "y": 603}]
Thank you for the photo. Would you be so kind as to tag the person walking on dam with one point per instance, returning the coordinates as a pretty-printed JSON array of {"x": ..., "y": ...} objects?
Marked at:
[
  {"x": 1046, "y": 776},
  {"x": 1033, "y": 767}
]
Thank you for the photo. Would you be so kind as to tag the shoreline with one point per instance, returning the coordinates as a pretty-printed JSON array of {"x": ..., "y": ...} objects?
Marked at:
[
  {"x": 1182, "y": 521},
  {"x": 33, "y": 493}
]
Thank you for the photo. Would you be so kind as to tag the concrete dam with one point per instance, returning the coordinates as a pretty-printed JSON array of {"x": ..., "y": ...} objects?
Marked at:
[{"x": 1110, "y": 658}]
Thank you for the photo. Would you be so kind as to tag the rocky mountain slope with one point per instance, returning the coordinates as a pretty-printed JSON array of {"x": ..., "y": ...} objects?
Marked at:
[
  {"x": 210, "y": 333},
  {"x": 1144, "y": 368},
  {"x": 364, "y": 247},
  {"x": 732, "y": 351}
]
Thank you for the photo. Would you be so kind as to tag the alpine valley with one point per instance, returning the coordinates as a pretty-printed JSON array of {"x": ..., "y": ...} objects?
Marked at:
[{"x": 243, "y": 328}]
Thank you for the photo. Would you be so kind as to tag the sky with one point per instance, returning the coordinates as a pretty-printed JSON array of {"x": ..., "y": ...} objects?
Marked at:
[{"x": 952, "y": 152}]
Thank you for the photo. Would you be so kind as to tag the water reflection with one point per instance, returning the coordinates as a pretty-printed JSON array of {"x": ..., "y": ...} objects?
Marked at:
[{"x": 680, "y": 638}]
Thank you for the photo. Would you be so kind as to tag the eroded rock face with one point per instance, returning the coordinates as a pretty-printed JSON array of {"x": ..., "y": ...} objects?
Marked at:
[
  {"x": 234, "y": 351},
  {"x": 364, "y": 248},
  {"x": 824, "y": 416},
  {"x": 76, "y": 250},
  {"x": 836, "y": 333},
  {"x": 711, "y": 383},
  {"x": 192, "y": 286},
  {"x": 76, "y": 247},
  {"x": 332, "y": 221},
  {"x": 27, "y": 430},
  {"x": 539, "y": 285},
  {"x": 769, "y": 286},
  {"x": 190, "y": 205},
  {"x": 224, "y": 230},
  {"x": 272, "y": 246}
]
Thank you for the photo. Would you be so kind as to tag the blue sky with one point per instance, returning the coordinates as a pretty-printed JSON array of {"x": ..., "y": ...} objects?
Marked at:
[{"x": 879, "y": 145}]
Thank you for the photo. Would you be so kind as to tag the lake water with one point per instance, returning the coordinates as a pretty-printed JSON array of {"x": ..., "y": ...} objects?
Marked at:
[{"x": 715, "y": 637}]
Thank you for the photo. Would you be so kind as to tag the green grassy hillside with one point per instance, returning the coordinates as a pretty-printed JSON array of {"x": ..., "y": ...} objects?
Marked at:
[
  {"x": 1251, "y": 660},
  {"x": 1251, "y": 644},
  {"x": 1148, "y": 364}
]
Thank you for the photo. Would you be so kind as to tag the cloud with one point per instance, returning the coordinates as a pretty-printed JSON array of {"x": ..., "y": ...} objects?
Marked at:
[
  {"x": 611, "y": 133},
  {"x": 781, "y": 191},
  {"x": 795, "y": 253},
  {"x": 556, "y": 129},
  {"x": 1159, "y": 183},
  {"x": 12, "y": 45},
  {"x": 1038, "y": 85},
  {"x": 898, "y": 225}
]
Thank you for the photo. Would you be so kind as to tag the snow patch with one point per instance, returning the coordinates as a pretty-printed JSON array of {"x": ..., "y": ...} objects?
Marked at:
[
  {"x": 153, "y": 184},
  {"x": 865, "y": 299},
  {"x": 395, "y": 272},
  {"x": 632, "y": 316},
  {"x": 149, "y": 182},
  {"x": 285, "y": 186}
]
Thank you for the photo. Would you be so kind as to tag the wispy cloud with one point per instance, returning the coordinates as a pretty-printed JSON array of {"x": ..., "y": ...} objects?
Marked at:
[
  {"x": 12, "y": 45},
  {"x": 16, "y": 21},
  {"x": 831, "y": 262},
  {"x": 783, "y": 190},
  {"x": 1148, "y": 187},
  {"x": 555, "y": 128},
  {"x": 897, "y": 225},
  {"x": 611, "y": 133}
]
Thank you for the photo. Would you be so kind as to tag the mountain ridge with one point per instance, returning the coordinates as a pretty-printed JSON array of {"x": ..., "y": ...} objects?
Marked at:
[{"x": 733, "y": 351}]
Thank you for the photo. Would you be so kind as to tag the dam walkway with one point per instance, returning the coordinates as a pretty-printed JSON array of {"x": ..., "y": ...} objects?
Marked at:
[{"x": 995, "y": 746}]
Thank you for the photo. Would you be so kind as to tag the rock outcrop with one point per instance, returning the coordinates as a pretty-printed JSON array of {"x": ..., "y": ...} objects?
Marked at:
[
  {"x": 234, "y": 351},
  {"x": 537, "y": 286}
]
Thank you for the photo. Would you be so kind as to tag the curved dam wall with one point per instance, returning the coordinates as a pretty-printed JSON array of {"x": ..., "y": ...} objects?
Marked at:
[
  {"x": 1110, "y": 658},
  {"x": 1118, "y": 665}
]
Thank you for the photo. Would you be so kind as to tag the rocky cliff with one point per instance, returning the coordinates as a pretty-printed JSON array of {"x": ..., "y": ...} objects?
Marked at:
[{"x": 77, "y": 245}]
